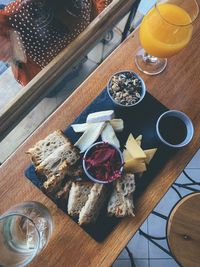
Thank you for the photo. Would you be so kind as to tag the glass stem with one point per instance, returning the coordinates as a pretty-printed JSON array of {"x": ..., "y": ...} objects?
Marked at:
[{"x": 149, "y": 59}]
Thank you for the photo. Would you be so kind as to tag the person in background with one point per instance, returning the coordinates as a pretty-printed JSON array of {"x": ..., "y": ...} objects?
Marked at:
[{"x": 33, "y": 32}]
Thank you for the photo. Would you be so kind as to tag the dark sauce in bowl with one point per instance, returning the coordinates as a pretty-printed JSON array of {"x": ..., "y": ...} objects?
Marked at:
[{"x": 173, "y": 130}]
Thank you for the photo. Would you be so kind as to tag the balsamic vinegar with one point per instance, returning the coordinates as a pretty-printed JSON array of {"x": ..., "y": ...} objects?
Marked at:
[{"x": 173, "y": 130}]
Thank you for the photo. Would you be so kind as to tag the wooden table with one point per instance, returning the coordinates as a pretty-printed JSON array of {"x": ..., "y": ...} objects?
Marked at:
[{"x": 178, "y": 88}]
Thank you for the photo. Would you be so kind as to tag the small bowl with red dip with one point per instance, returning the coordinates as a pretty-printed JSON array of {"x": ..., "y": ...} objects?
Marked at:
[{"x": 103, "y": 163}]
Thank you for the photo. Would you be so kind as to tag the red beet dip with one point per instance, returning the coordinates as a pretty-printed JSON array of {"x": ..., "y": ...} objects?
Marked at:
[{"x": 104, "y": 162}]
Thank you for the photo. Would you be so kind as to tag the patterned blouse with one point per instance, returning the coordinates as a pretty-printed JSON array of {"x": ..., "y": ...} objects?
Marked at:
[{"x": 39, "y": 35}]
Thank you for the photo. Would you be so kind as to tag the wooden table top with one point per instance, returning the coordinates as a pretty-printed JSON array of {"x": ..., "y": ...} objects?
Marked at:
[{"x": 178, "y": 87}]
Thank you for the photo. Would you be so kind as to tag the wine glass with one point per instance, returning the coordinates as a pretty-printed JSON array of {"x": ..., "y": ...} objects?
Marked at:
[
  {"x": 164, "y": 32},
  {"x": 24, "y": 231}
]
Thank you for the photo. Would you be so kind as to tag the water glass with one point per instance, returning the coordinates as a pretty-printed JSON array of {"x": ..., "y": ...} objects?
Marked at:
[{"x": 25, "y": 230}]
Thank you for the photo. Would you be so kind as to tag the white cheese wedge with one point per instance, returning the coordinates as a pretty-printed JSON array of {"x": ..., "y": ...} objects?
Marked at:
[
  {"x": 135, "y": 166},
  {"x": 80, "y": 128},
  {"x": 106, "y": 115},
  {"x": 150, "y": 154},
  {"x": 134, "y": 149},
  {"x": 117, "y": 124},
  {"x": 90, "y": 136},
  {"x": 108, "y": 135}
]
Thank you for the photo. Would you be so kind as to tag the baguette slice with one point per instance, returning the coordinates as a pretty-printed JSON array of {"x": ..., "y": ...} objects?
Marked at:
[
  {"x": 63, "y": 193},
  {"x": 78, "y": 196},
  {"x": 54, "y": 180},
  {"x": 45, "y": 147},
  {"x": 93, "y": 205},
  {"x": 59, "y": 160},
  {"x": 121, "y": 201}
]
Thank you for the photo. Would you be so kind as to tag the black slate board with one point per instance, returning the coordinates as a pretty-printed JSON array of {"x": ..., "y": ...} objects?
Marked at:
[{"x": 138, "y": 120}]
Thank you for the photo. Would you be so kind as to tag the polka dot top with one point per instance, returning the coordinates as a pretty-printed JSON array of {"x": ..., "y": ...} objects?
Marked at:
[{"x": 39, "y": 34}]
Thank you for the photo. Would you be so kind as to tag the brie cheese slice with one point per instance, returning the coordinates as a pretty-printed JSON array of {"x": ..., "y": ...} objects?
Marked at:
[
  {"x": 106, "y": 115},
  {"x": 108, "y": 135},
  {"x": 90, "y": 136}
]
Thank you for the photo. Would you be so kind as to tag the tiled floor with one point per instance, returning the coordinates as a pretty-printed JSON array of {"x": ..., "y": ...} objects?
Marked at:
[{"x": 144, "y": 252}]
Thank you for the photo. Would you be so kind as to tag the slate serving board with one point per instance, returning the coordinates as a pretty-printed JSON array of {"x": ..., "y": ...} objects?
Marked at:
[{"x": 140, "y": 119}]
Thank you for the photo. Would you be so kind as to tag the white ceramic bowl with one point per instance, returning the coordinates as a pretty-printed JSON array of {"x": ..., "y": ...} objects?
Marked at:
[
  {"x": 94, "y": 179},
  {"x": 143, "y": 89},
  {"x": 185, "y": 119}
]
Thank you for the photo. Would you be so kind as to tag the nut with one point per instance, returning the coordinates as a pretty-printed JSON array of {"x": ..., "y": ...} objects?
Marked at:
[{"x": 125, "y": 88}]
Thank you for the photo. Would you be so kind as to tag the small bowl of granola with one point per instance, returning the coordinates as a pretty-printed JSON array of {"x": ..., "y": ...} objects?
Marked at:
[{"x": 126, "y": 89}]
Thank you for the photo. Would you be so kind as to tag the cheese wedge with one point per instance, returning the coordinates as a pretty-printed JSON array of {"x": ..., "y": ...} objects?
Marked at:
[
  {"x": 139, "y": 140},
  {"x": 127, "y": 156},
  {"x": 90, "y": 136},
  {"x": 135, "y": 166},
  {"x": 108, "y": 135},
  {"x": 134, "y": 149},
  {"x": 80, "y": 128},
  {"x": 117, "y": 124},
  {"x": 149, "y": 154},
  {"x": 100, "y": 116}
]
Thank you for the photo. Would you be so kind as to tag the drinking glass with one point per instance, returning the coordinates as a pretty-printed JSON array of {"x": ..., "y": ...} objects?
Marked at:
[
  {"x": 164, "y": 32},
  {"x": 25, "y": 230}
]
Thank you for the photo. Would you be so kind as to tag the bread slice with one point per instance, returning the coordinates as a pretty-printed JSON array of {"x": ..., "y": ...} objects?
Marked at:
[
  {"x": 78, "y": 196},
  {"x": 43, "y": 148},
  {"x": 76, "y": 171},
  {"x": 65, "y": 156},
  {"x": 93, "y": 205},
  {"x": 121, "y": 200},
  {"x": 63, "y": 193},
  {"x": 55, "y": 179}
]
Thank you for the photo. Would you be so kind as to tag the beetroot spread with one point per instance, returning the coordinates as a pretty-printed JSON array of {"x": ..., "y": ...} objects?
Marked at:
[{"x": 104, "y": 162}]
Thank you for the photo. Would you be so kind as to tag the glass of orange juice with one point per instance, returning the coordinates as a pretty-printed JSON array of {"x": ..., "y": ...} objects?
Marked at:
[{"x": 164, "y": 32}]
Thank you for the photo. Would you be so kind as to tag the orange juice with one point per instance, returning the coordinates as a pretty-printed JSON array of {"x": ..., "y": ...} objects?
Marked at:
[{"x": 165, "y": 30}]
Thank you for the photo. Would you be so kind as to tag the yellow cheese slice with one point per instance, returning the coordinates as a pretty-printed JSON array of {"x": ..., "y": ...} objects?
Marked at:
[
  {"x": 134, "y": 149},
  {"x": 150, "y": 154},
  {"x": 127, "y": 156},
  {"x": 135, "y": 166},
  {"x": 139, "y": 140}
]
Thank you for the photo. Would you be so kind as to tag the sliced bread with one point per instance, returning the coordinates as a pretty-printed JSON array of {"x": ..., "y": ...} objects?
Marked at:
[
  {"x": 93, "y": 205},
  {"x": 65, "y": 156},
  {"x": 55, "y": 179},
  {"x": 121, "y": 200},
  {"x": 63, "y": 193},
  {"x": 43, "y": 148},
  {"x": 78, "y": 196}
]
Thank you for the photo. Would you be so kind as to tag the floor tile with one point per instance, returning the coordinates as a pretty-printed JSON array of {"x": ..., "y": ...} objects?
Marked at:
[
  {"x": 182, "y": 179},
  {"x": 156, "y": 253},
  {"x": 157, "y": 228},
  {"x": 121, "y": 24},
  {"x": 195, "y": 162},
  {"x": 96, "y": 53},
  {"x": 163, "y": 263},
  {"x": 126, "y": 263},
  {"x": 138, "y": 245},
  {"x": 167, "y": 202}
]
